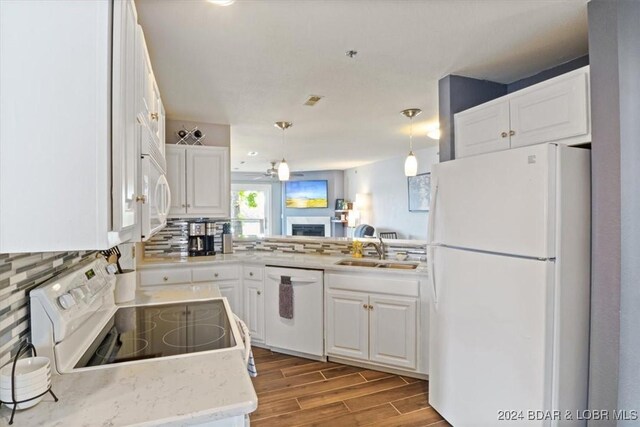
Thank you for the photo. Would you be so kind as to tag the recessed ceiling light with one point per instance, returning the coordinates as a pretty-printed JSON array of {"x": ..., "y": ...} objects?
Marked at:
[
  {"x": 351, "y": 53},
  {"x": 242, "y": 162},
  {"x": 222, "y": 2},
  {"x": 252, "y": 153}
]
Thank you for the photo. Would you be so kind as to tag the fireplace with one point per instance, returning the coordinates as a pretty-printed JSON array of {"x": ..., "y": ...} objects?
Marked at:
[
  {"x": 307, "y": 229},
  {"x": 309, "y": 226}
]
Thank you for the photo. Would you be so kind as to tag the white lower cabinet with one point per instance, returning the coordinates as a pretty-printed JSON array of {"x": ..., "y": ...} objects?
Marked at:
[
  {"x": 254, "y": 303},
  {"x": 348, "y": 324},
  {"x": 226, "y": 277},
  {"x": 232, "y": 291},
  {"x": 371, "y": 327},
  {"x": 392, "y": 330}
]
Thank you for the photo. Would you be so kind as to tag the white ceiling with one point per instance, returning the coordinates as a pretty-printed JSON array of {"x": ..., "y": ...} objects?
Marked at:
[{"x": 256, "y": 61}]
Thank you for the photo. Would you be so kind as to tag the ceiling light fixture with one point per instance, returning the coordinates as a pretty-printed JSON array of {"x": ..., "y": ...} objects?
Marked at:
[
  {"x": 283, "y": 167},
  {"x": 411, "y": 163},
  {"x": 252, "y": 153},
  {"x": 351, "y": 53},
  {"x": 222, "y": 2}
]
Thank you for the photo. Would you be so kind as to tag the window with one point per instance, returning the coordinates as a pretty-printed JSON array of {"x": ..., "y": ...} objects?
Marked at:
[{"x": 250, "y": 210}]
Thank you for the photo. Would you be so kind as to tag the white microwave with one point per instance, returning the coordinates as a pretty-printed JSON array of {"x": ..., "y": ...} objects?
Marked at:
[{"x": 156, "y": 193}]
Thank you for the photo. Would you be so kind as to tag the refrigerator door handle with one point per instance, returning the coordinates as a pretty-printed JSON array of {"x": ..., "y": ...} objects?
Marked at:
[
  {"x": 432, "y": 213},
  {"x": 432, "y": 275}
]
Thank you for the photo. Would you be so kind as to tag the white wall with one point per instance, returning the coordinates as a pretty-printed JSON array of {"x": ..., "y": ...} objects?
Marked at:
[{"x": 387, "y": 186}]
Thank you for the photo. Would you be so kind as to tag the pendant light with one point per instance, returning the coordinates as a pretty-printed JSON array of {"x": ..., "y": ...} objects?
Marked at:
[
  {"x": 283, "y": 167},
  {"x": 411, "y": 163}
]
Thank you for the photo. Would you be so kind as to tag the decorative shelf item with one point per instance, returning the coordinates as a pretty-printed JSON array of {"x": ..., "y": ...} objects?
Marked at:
[{"x": 190, "y": 137}]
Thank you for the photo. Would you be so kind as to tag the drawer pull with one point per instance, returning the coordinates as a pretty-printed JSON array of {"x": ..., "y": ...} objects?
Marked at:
[
  {"x": 259, "y": 292},
  {"x": 215, "y": 274},
  {"x": 165, "y": 278},
  {"x": 251, "y": 273}
]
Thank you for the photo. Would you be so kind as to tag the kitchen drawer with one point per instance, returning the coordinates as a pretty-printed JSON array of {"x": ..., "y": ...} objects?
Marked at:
[
  {"x": 371, "y": 283},
  {"x": 253, "y": 272},
  {"x": 208, "y": 274},
  {"x": 165, "y": 277}
]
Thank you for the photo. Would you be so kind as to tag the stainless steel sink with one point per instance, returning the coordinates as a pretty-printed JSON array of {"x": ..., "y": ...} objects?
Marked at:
[
  {"x": 357, "y": 263},
  {"x": 399, "y": 266},
  {"x": 374, "y": 264}
]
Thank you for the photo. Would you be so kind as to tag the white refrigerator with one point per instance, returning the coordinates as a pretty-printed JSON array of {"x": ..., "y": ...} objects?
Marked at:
[{"x": 509, "y": 262}]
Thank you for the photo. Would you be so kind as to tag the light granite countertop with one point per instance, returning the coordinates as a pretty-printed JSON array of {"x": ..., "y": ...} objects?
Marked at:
[
  {"x": 191, "y": 389},
  {"x": 182, "y": 390},
  {"x": 320, "y": 262}
]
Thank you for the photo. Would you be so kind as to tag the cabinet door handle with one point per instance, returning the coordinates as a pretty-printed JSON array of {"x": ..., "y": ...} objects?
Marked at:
[
  {"x": 365, "y": 306},
  {"x": 165, "y": 278},
  {"x": 370, "y": 307},
  {"x": 184, "y": 206},
  {"x": 188, "y": 205},
  {"x": 142, "y": 198},
  {"x": 154, "y": 116},
  {"x": 504, "y": 134},
  {"x": 215, "y": 274},
  {"x": 259, "y": 292},
  {"x": 251, "y": 273},
  {"x": 512, "y": 132}
]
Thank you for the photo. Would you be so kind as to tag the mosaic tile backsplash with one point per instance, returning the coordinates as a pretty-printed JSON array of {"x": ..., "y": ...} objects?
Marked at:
[
  {"x": 19, "y": 274},
  {"x": 172, "y": 241}
]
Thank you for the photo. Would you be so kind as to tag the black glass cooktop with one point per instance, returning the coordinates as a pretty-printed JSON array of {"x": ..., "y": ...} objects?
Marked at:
[{"x": 148, "y": 332}]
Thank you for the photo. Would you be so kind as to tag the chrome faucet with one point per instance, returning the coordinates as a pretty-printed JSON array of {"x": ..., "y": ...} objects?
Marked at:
[{"x": 379, "y": 247}]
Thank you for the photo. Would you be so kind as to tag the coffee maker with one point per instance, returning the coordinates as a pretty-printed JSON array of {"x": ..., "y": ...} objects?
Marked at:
[
  {"x": 197, "y": 232},
  {"x": 210, "y": 239}
]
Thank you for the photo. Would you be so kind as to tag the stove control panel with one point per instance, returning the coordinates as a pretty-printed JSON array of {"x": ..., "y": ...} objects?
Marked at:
[
  {"x": 66, "y": 301},
  {"x": 73, "y": 297}
]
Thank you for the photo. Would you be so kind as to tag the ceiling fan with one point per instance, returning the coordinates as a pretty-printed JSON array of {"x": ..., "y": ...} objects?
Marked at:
[{"x": 272, "y": 172}]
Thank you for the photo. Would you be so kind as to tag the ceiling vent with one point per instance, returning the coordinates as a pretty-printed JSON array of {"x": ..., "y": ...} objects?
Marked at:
[{"x": 312, "y": 100}]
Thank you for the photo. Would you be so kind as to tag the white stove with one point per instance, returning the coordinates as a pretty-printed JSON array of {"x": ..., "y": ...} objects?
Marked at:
[{"x": 75, "y": 322}]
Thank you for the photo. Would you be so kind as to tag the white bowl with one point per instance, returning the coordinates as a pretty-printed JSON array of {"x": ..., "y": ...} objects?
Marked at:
[
  {"x": 24, "y": 393},
  {"x": 29, "y": 382},
  {"x": 26, "y": 405},
  {"x": 26, "y": 368}
]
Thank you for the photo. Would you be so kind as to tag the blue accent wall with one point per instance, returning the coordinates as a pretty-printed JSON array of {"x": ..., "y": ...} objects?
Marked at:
[{"x": 549, "y": 73}]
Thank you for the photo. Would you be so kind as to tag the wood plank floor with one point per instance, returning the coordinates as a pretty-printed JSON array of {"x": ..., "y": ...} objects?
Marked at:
[{"x": 299, "y": 392}]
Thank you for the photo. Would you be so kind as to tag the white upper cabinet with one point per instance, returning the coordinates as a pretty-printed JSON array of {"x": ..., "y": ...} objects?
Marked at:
[
  {"x": 176, "y": 175},
  {"x": 68, "y": 152},
  {"x": 479, "y": 131},
  {"x": 199, "y": 179},
  {"x": 556, "y": 110},
  {"x": 149, "y": 107},
  {"x": 124, "y": 144}
]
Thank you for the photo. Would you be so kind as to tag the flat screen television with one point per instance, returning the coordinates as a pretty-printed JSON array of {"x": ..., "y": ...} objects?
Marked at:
[{"x": 306, "y": 194}]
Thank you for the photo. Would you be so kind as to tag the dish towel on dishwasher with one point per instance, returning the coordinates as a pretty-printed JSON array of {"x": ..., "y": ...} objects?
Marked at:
[
  {"x": 285, "y": 294},
  {"x": 251, "y": 366}
]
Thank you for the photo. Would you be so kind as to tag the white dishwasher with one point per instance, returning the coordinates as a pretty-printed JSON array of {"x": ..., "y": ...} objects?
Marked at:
[{"x": 304, "y": 333}]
